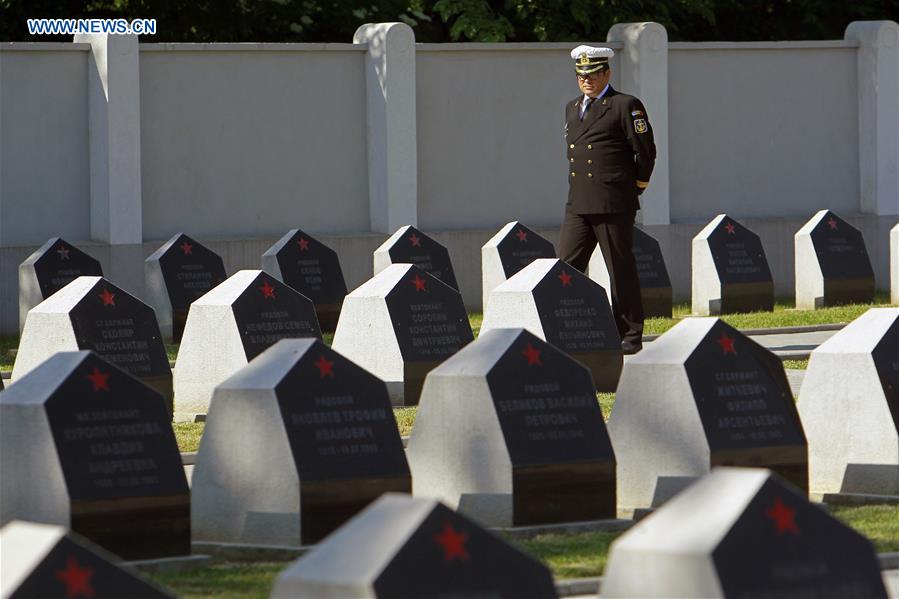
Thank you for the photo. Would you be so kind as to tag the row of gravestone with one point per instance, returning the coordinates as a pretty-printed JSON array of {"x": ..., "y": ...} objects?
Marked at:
[
  {"x": 301, "y": 438},
  {"x": 734, "y": 533},
  {"x": 730, "y": 270},
  {"x": 399, "y": 325}
]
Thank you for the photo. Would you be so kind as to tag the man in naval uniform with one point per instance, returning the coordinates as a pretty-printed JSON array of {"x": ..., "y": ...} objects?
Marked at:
[{"x": 611, "y": 154}]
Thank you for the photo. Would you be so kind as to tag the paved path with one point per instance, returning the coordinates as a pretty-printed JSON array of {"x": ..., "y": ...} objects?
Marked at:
[{"x": 793, "y": 343}]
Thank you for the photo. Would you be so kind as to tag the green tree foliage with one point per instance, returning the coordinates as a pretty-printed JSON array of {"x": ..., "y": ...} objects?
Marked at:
[{"x": 458, "y": 20}]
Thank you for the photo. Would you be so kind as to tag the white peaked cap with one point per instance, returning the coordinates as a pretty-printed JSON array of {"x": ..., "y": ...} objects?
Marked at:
[{"x": 592, "y": 52}]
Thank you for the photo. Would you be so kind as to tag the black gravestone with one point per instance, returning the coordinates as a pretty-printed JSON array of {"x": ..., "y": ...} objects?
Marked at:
[
  {"x": 124, "y": 331},
  {"x": 414, "y": 247},
  {"x": 451, "y": 556},
  {"x": 430, "y": 323},
  {"x": 401, "y": 546},
  {"x": 313, "y": 269},
  {"x": 746, "y": 405},
  {"x": 343, "y": 436},
  {"x": 886, "y": 361},
  {"x": 845, "y": 266},
  {"x": 655, "y": 285},
  {"x": 521, "y": 247},
  {"x": 742, "y": 267},
  {"x": 58, "y": 263},
  {"x": 783, "y": 546},
  {"x": 189, "y": 269},
  {"x": 563, "y": 466},
  {"x": 576, "y": 317},
  {"x": 268, "y": 311},
  {"x": 74, "y": 568},
  {"x": 118, "y": 454}
]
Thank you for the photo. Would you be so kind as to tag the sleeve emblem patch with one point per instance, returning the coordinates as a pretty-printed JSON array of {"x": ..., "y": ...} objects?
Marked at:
[
  {"x": 637, "y": 113},
  {"x": 640, "y": 126}
]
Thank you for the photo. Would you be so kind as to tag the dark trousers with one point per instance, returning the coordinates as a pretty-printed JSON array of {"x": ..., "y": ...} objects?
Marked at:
[{"x": 615, "y": 235}]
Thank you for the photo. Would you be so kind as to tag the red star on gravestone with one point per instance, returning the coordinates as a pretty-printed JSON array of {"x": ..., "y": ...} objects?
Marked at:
[
  {"x": 522, "y": 235},
  {"x": 565, "y": 278},
  {"x": 63, "y": 252},
  {"x": 303, "y": 243},
  {"x": 784, "y": 517},
  {"x": 325, "y": 367},
  {"x": 268, "y": 292},
  {"x": 420, "y": 284},
  {"x": 727, "y": 344},
  {"x": 832, "y": 223},
  {"x": 186, "y": 247},
  {"x": 730, "y": 228},
  {"x": 453, "y": 543},
  {"x": 107, "y": 297},
  {"x": 533, "y": 355},
  {"x": 99, "y": 380},
  {"x": 415, "y": 240},
  {"x": 77, "y": 579}
]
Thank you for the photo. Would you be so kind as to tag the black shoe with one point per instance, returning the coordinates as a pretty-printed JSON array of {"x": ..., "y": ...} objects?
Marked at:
[{"x": 629, "y": 348}]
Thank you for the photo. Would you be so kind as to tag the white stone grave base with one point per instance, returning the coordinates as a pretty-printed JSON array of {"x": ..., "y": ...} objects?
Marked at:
[
  {"x": 365, "y": 331},
  {"x": 211, "y": 349},
  {"x": 32, "y": 485},
  {"x": 809, "y": 278},
  {"x": 48, "y": 328},
  {"x": 370, "y": 541},
  {"x": 852, "y": 438},
  {"x": 381, "y": 256},
  {"x": 245, "y": 487},
  {"x": 680, "y": 565},
  {"x": 478, "y": 480},
  {"x": 23, "y": 546},
  {"x": 706, "y": 286}
]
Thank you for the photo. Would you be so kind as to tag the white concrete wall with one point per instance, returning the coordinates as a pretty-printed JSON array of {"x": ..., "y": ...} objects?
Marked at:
[
  {"x": 491, "y": 120},
  {"x": 762, "y": 130},
  {"x": 44, "y": 154},
  {"x": 253, "y": 139},
  {"x": 241, "y": 142}
]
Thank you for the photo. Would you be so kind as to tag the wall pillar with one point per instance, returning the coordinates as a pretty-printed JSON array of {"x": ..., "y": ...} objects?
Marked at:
[
  {"x": 878, "y": 114},
  {"x": 114, "y": 128},
  {"x": 643, "y": 72},
  {"x": 392, "y": 151}
]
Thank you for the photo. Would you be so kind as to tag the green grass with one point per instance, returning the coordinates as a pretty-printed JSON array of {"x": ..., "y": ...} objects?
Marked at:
[
  {"x": 476, "y": 319},
  {"x": 188, "y": 434},
  {"x": 571, "y": 555},
  {"x": 171, "y": 351},
  {"x": 796, "y": 364},
  {"x": 880, "y": 523},
  {"x": 223, "y": 579},
  {"x": 785, "y": 314},
  {"x": 578, "y": 555},
  {"x": 405, "y": 418},
  {"x": 6, "y": 344},
  {"x": 606, "y": 401}
]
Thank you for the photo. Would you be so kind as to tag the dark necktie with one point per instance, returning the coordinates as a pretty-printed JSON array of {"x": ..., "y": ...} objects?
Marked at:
[{"x": 587, "y": 105}]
